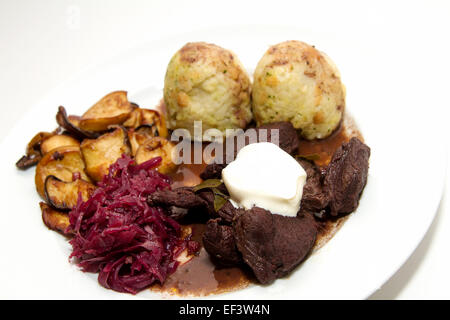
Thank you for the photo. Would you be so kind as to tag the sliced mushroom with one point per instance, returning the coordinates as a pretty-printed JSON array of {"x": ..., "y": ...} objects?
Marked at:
[
  {"x": 72, "y": 125},
  {"x": 54, "y": 219},
  {"x": 62, "y": 163},
  {"x": 156, "y": 120},
  {"x": 157, "y": 147},
  {"x": 102, "y": 152},
  {"x": 113, "y": 109},
  {"x": 136, "y": 140},
  {"x": 58, "y": 141},
  {"x": 134, "y": 119},
  {"x": 64, "y": 195},
  {"x": 33, "y": 152},
  {"x": 152, "y": 120},
  {"x": 27, "y": 161}
]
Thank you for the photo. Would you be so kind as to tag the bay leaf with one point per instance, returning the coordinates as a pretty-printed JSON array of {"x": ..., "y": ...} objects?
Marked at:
[{"x": 210, "y": 183}]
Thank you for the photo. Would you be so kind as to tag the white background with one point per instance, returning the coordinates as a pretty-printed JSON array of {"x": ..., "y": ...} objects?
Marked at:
[{"x": 42, "y": 43}]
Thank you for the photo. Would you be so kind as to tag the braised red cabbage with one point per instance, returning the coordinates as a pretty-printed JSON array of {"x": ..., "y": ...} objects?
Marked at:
[{"x": 117, "y": 234}]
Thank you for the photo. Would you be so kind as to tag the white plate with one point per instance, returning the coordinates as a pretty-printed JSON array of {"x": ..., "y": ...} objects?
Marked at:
[{"x": 396, "y": 209}]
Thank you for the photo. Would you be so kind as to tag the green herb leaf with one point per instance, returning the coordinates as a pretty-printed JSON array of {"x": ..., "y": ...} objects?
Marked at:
[
  {"x": 219, "y": 199},
  {"x": 210, "y": 183},
  {"x": 217, "y": 192},
  {"x": 219, "y": 202}
]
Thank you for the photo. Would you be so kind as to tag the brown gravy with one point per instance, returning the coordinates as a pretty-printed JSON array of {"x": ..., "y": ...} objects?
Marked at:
[
  {"x": 188, "y": 174},
  {"x": 324, "y": 149},
  {"x": 200, "y": 276}
]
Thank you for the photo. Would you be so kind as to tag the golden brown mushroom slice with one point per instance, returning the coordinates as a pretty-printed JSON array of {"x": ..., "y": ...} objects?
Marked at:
[
  {"x": 33, "y": 151},
  {"x": 54, "y": 219},
  {"x": 157, "y": 147},
  {"x": 113, "y": 109},
  {"x": 63, "y": 195},
  {"x": 134, "y": 119},
  {"x": 137, "y": 139},
  {"x": 72, "y": 125},
  {"x": 156, "y": 120},
  {"x": 152, "y": 120},
  {"x": 62, "y": 163},
  {"x": 58, "y": 141},
  {"x": 102, "y": 152},
  {"x": 139, "y": 136}
]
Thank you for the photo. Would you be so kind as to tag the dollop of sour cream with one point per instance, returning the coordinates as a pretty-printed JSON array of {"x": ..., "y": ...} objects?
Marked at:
[{"x": 265, "y": 176}]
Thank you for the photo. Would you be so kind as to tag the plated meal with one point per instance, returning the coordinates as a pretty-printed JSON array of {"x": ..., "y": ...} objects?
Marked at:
[{"x": 228, "y": 182}]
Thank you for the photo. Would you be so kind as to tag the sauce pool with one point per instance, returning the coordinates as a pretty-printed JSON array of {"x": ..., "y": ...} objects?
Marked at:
[{"x": 200, "y": 276}]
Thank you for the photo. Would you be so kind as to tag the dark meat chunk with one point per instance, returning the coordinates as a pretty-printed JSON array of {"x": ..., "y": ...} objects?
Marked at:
[
  {"x": 310, "y": 167},
  {"x": 208, "y": 199},
  {"x": 287, "y": 139},
  {"x": 213, "y": 171},
  {"x": 183, "y": 197},
  {"x": 181, "y": 204},
  {"x": 271, "y": 244},
  {"x": 227, "y": 212},
  {"x": 177, "y": 213},
  {"x": 183, "y": 201},
  {"x": 314, "y": 199},
  {"x": 337, "y": 190},
  {"x": 346, "y": 176},
  {"x": 218, "y": 241}
]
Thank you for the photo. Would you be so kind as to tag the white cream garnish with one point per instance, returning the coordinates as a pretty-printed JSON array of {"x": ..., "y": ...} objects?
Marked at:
[{"x": 265, "y": 176}]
